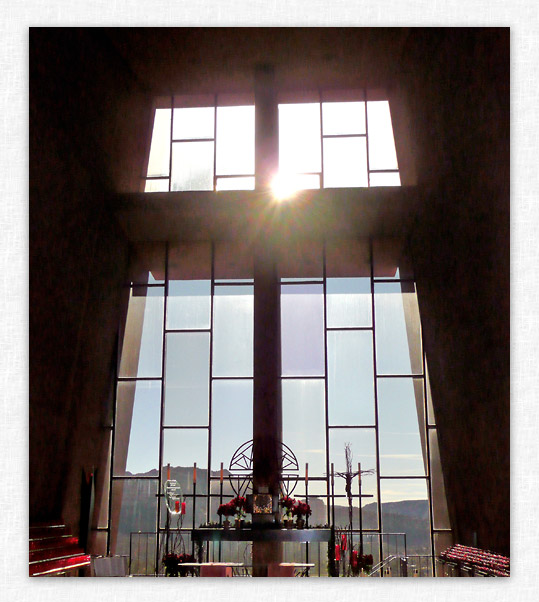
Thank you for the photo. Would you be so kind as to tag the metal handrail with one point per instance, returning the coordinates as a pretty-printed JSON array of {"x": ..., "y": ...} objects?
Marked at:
[{"x": 378, "y": 567}]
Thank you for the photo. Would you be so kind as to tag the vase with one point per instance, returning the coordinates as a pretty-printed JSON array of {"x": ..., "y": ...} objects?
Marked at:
[
  {"x": 226, "y": 525},
  {"x": 239, "y": 523},
  {"x": 300, "y": 523},
  {"x": 288, "y": 523}
]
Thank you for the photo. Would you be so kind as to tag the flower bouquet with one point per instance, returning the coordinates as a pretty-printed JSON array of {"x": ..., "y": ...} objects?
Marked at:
[
  {"x": 288, "y": 503},
  {"x": 300, "y": 510},
  {"x": 226, "y": 510}
]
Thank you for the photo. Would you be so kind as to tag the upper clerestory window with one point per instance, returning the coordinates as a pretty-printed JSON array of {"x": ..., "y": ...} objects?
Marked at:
[{"x": 332, "y": 143}]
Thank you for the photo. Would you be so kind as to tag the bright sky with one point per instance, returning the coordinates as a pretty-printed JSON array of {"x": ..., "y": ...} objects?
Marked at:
[{"x": 300, "y": 146}]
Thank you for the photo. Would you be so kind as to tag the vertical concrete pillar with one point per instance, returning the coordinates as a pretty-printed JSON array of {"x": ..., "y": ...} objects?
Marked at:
[{"x": 267, "y": 408}]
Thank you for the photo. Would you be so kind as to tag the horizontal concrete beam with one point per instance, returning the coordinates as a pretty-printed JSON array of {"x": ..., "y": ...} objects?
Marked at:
[{"x": 248, "y": 215}]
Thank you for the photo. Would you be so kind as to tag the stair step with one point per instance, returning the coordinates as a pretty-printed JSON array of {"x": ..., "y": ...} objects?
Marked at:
[
  {"x": 48, "y": 543},
  {"x": 50, "y": 567},
  {"x": 46, "y": 532},
  {"x": 55, "y": 553}
]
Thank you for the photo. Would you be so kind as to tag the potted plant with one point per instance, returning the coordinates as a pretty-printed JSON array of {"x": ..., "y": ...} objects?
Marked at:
[
  {"x": 287, "y": 503},
  {"x": 183, "y": 571},
  {"x": 239, "y": 503},
  {"x": 300, "y": 510},
  {"x": 361, "y": 563},
  {"x": 171, "y": 564},
  {"x": 226, "y": 510}
]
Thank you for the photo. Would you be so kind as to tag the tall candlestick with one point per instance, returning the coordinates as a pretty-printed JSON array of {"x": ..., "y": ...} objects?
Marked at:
[
  {"x": 168, "y": 471},
  {"x": 359, "y": 474},
  {"x": 306, "y": 472},
  {"x": 221, "y": 475},
  {"x": 177, "y": 505},
  {"x": 183, "y": 507},
  {"x": 337, "y": 552},
  {"x": 194, "y": 473}
]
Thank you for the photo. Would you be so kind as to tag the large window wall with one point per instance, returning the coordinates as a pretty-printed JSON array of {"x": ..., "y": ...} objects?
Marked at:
[
  {"x": 327, "y": 139},
  {"x": 353, "y": 372}
]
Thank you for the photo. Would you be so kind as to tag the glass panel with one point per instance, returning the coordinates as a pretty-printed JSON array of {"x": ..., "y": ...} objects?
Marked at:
[
  {"x": 134, "y": 508},
  {"x": 384, "y": 179},
  {"x": 350, "y": 378},
  {"x": 159, "y": 161},
  {"x": 300, "y": 181},
  {"x": 235, "y": 140},
  {"x": 302, "y": 329},
  {"x": 188, "y": 305},
  {"x": 232, "y": 419},
  {"x": 233, "y": 331},
  {"x": 142, "y": 560},
  {"x": 156, "y": 186},
  {"x": 439, "y": 500},
  {"x": 182, "y": 448},
  {"x": 142, "y": 349},
  {"x": 147, "y": 263},
  {"x": 345, "y": 162},
  {"x": 299, "y": 138},
  {"x": 193, "y": 123},
  {"x": 398, "y": 343},
  {"x": 348, "y": 302},
  {"x": 235, "y": 183},
  {"x": 343, "y": 118},
  {"x": 382, "y": 154},
  {"x": 405, "y": 509},
  {"x": 401, "y": 427},
  {"x": 186, "y": 520},
  {"x": 304, "y": 423},
  {"x": 192, "y": 166},
  {"x": 187, "y": 378},
  {"x": 363, "y": 447},
  {"x": 138, "y": 409}
]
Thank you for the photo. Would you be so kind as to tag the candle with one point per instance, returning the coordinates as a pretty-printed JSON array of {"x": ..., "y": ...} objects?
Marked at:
[
  {"x": 168, "y": 472},
  {"x": 306, "y": 473},
  {"x": 194, "y": 473},
  {"x": 177, "y": 505},
  {"x": 343, "y": 541},
  {"x": 337, "y": 552},
  {"x": 183, "y": 507},
  {"x": 359, "y": 474},
  {"x": 221, "y": 475}
]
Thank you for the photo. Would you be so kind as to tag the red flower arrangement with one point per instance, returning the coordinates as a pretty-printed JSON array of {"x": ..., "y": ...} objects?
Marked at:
[
  {"x": 301, "y": 509},
  {"x": 239, "y": 503},
  {"x": 288, "y": 504},
  {"x": 360, "y": 562},
  {"x": 226, "y": 510},
  {"x": 172, "y": 564}
]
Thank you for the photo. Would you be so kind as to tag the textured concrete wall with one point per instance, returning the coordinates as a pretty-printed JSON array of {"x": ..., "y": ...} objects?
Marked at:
[
  {"x": 461, "y": 251},
  {"x": 83, "y": 103}
]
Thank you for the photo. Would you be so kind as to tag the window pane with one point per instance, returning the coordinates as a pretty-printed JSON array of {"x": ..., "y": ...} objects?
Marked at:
[
  {"x": 345, "y": 162},
  {"x": 138, "y": 408},
  {"x": 187, "y": 378},
  {"x": 304, "y": 423},
  {"x": 193, "y": 123},
  {"x": 343, "y": 118},
  {"x": 188, "y": 305},
  {"x": 235, "y": 140},
  {"x": 232, "y": 419},
  {"x": 299, "y": 138},
  {"x": 348, "y": 302},
  {"x": 401, "y": 427},
  {"x": 159, "y": 162},
  {"x": 405, "y": 509},
  {"x": 184, "y": 447},
  {"x": 143, "y": 338},
  {"x": 350, "y": 378},
  {"x": 135, "y": 502},
  {"x": 233, "y": 331},
  {"x": 156, "y": 186},
  {"x": 192, "y": 166},
  {"x": 247, "y": 183},
  {"x": 382, "y": 154},
  {"x": 398, "y": 344},
  {"x": 385, "y": 179},
  {"x": 302, "y": 328},
  {"x": 439, "y": 500}
]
